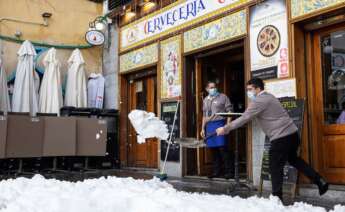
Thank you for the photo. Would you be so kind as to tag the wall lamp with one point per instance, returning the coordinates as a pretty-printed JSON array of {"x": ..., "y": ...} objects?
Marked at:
[
  {"x": 100, "y": 24},
  {"x": 46, "y": 17}
]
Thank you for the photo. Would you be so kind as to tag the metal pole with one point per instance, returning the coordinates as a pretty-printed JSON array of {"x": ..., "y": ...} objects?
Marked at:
[
  {"x": 171, "y": 133},
  {"x": 237, "y": 178}
]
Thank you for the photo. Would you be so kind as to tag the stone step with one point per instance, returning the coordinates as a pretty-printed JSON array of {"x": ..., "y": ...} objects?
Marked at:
[{"x": 335, "y": 194}]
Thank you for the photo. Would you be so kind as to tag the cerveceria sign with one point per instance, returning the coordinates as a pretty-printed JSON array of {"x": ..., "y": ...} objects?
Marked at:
[
  {"x": 171, "y": 17},
  {"x": 179, "y": 15}
]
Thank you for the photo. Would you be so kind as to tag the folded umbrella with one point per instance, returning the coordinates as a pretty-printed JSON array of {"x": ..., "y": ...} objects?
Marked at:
[
  {"x": 50, "y": 100},
  {"x": 76, "y": 94},
  {"x": 25, "y": 95}
]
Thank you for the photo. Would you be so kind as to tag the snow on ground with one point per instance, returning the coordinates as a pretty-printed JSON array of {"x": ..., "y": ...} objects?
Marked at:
[{"x": 126, "y": 195}]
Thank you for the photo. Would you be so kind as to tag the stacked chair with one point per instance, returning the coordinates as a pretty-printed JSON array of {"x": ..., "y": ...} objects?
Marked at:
[{"x": 48, "y": 144}]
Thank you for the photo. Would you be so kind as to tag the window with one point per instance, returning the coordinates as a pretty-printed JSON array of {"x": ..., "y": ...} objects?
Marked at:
[{"x": 333, "y": 71}]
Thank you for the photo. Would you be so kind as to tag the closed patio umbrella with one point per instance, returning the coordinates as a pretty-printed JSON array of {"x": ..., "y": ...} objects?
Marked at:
[
  {"x": 76, "y": 94},
  {"x": 50, "y": 100},
  {"x": 25, "y": 96},
  {"x": 4, "y": 98}
]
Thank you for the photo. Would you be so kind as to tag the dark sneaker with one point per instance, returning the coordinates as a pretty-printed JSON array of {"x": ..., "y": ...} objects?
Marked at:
[{"x": 323, "y": 186}]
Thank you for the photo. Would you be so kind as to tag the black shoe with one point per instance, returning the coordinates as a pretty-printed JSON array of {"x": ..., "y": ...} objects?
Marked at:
[
  {"x": 323, "y": 186},
  {"x": 229, "y": 176}
]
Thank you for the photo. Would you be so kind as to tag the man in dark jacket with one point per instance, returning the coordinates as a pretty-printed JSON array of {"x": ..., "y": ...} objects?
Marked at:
[{"x": 282, "y": 132}]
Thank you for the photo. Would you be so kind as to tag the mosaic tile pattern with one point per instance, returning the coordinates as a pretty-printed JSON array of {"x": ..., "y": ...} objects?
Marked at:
[
  {"x": 217, "y": 31},
  {"x": 139, "y": 58},
  {"x": 304, "y": 7}
]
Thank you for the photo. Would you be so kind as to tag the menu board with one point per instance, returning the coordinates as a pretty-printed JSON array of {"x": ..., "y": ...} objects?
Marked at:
[
  {"x": 295, "y": 108},
  {"x": 167, "y": 115}
]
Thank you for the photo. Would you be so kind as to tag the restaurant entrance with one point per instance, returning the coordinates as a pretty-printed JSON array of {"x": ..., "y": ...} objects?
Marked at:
[
  {"x": 327, "y": 97},
  {"x": 225, "y": 66}
]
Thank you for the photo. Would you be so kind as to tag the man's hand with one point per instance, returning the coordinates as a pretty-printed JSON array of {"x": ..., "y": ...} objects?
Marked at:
[
  {"x": 220, "y": 131},
  {"x": 202, "y": 133}
]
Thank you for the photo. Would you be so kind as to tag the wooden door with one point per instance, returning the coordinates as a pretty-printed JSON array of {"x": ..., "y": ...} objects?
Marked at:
[
  {"x": 327, "y": 97},
  {"x": 142, "y": 95},
  {"x": 205, "y": 159}
]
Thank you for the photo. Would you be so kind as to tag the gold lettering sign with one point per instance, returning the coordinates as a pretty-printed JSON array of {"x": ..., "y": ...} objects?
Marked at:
[{"x": 176, "y": 16}]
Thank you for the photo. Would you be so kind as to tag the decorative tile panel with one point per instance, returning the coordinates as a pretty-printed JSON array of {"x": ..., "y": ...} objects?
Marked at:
[
  {"x": 171, "y": 76},
  {"x": 217, "y": 31},
  {"x": 304, "y": 7},
  {"x": 139, "y": 58}
]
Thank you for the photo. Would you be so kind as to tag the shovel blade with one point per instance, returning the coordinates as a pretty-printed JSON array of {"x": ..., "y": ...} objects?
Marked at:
[{"x": 190, "y": 142}]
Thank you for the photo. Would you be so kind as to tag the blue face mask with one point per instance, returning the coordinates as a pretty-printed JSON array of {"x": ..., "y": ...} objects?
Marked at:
[
  {"x": 212, "y": 91},
  {"x": 251, "y": 95}
]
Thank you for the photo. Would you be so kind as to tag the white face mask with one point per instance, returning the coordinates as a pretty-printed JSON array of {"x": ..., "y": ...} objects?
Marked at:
[
  {"x": 212, "y": 91},
  {"x": 251, "y": 95}
]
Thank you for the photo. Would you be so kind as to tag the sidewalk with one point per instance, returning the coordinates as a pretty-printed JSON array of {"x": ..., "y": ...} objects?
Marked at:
[{"x": 308, "y": 193}]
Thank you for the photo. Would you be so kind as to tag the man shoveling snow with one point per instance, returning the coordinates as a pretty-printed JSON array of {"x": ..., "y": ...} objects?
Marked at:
[{"x": 282, "y": 132}]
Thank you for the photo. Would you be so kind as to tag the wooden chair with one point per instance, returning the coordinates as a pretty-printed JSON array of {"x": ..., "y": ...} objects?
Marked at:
[
  {"x": 3, "y": 136},
  {"x": 91, "y": 138},
  {"x": 24, "y": 138},
  {"x": 59, "y": 138}
]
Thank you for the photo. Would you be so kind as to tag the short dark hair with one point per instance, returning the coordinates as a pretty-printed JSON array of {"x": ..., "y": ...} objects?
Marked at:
[
  {"x": 257, "y": 83},
  {"x": 209, "y": 82}
]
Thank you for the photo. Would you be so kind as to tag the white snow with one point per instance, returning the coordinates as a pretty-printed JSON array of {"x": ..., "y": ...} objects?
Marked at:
[
  {"x": 147, "y": 125},
  {"x": 126, "y": 195}
]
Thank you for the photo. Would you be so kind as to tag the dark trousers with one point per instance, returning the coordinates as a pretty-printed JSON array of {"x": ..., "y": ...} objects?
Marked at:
[
  {"x": 285, "y": 150},
  {"x": 222, "y": 157}
]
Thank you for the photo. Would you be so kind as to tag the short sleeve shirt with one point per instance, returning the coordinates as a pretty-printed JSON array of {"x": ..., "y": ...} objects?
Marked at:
[{"x": 217, "y": 104}]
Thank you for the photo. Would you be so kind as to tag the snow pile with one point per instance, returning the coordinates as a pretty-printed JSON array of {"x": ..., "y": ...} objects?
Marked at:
[
  {"x": 147, "y": 125},
  {"x": 126, "y": 194}
]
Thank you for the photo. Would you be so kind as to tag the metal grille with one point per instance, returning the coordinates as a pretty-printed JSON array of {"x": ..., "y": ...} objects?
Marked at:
[{"x": 112, "y": 4}]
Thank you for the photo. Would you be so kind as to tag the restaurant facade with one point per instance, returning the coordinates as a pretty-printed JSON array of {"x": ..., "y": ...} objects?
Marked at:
[{"x": 296, "y": 46}]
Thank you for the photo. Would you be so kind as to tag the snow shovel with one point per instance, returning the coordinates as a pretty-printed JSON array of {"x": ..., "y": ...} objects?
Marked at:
[
  {"x": 163, "y": 176},
  {"x": 193, "y": 142}
]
